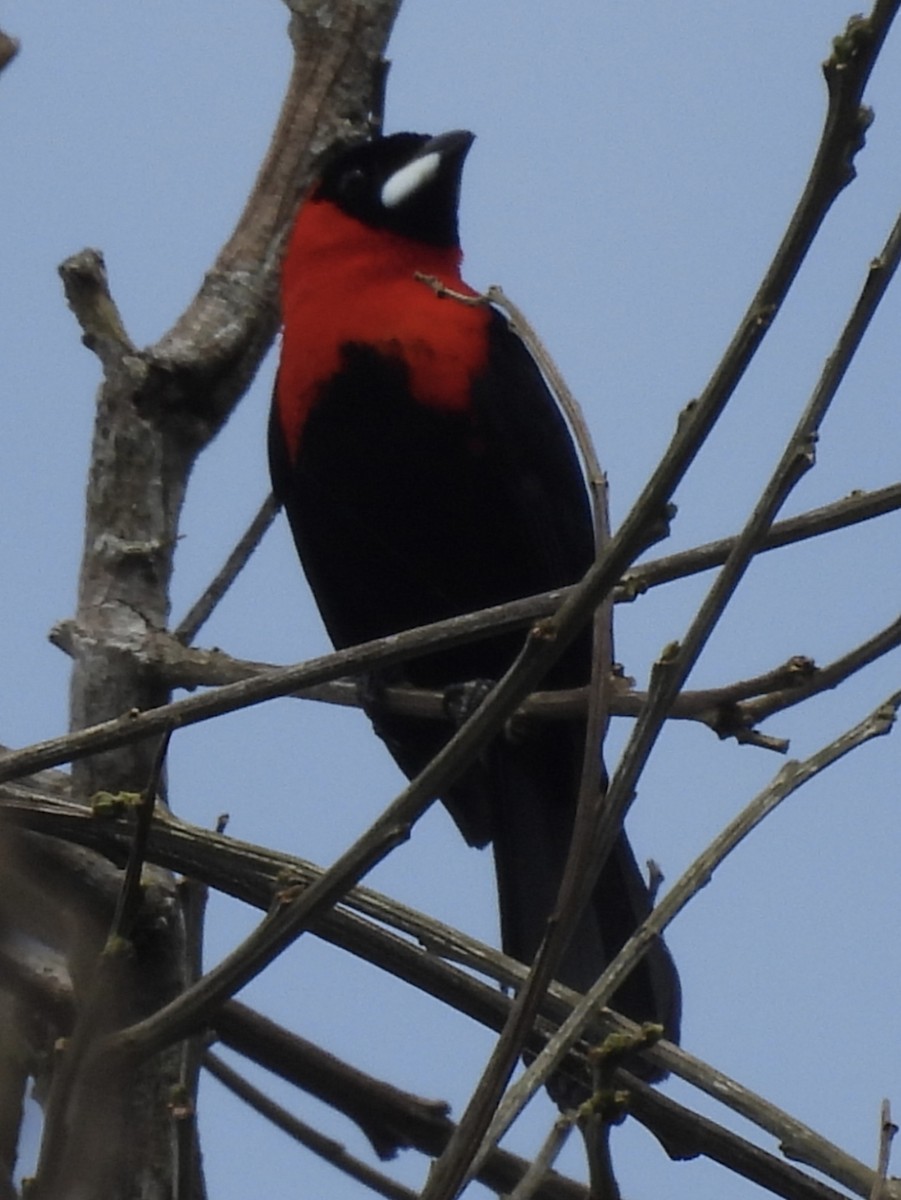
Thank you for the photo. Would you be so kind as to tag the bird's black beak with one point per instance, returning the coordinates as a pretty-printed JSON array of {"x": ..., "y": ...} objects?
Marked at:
[
  {"x": 437, "y": 164},
  {"x": 453, "y": 145}
]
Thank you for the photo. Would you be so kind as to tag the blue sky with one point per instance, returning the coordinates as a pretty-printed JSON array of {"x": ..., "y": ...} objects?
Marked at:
[{"x": 634, "y": 169}]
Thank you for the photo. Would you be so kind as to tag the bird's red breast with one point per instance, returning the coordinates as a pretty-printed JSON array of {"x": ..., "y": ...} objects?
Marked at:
[{"x": 345, "y": 283}]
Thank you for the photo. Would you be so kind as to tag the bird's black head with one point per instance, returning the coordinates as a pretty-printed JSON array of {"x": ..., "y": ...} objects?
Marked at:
[{"x": 408, "y": 183}]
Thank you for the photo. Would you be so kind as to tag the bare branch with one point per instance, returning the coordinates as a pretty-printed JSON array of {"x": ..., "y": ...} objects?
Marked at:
[
  {"x": 672, "y": 669},
  {"x": 847, "y": 74},
  {"x": 326, "y": 1148},
  {"x": 134, "y": 725},
  {"x": 286, "y": 923},
  {"x": 692, "y": 1133},
  {"x": 202, "y": 366},
  {"x": 252, "y": 874},
  {"x": 531, "y": 1183},
  {"x": 590, "y": 801},
  {"x": 822, "y": 679},
  {"x": 409, "y": 1121},
  {"x": 859, "y": 506},
  {"x": 129, "y": 903},
  {"x": 156, "y": 410},
  {"x": 888, "y": 1130},
  {"x": 792, "y": 776},
  {"x": 198, "y": 614},
  {"x": 192, "y": 668}
]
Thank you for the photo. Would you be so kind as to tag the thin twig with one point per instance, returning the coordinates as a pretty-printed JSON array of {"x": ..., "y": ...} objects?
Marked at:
[
  {"x": 840, "y": 514},
  {"x": 887, "y": 1132},
  {"x": 390, "y": 1118},
  {"x": 129, "y": 901},
  {"x": 193, "y": 895},
  {"x": 691, "y": 1134},
  {"x": 200, "y": 611},
  {"x": 325, "y": 1147},
  {"x": 671, "y": 671},
  {"x": 571, "y": 898},
  {"x": 281, "y": 681},
  {"x": 823, "y": 678},
  {"x": 550, "y": 1151}
]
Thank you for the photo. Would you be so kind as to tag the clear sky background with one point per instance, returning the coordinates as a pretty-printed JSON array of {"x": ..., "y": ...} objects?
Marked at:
[{"x": 635, "y": 167}]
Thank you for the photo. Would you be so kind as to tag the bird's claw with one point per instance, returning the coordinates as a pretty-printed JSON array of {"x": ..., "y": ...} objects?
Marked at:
[{"x": 462, "y": 699}]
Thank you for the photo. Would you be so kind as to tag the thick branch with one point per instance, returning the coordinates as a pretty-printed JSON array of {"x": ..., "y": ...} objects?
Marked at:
[{"x": 156, "y": 410}]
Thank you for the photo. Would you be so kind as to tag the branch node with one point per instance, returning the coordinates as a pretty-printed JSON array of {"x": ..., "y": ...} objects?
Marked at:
[
  {"x": 847, "y": 47},
  {"x": 86, "y": 286}
]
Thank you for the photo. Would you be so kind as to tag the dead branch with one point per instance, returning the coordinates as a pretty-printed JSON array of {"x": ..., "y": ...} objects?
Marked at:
[
  {"x": 792, "y": 776},
  {"x": 253, "y": 874},
  {"x": 157, "y": 408}
]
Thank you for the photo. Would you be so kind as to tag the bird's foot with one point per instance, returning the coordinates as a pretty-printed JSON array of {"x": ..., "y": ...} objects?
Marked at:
[
  {"x": 371, "y": 688},
  {"x": 462, "y": 699}
]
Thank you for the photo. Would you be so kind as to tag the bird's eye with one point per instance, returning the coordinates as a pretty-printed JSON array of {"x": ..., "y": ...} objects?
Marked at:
[{"x": 353, "y": 184}]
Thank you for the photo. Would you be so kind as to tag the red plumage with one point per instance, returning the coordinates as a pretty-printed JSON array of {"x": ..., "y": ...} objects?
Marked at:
[
  {"x": 426, "y": 471},
  {"x": 343, "y": 286}
]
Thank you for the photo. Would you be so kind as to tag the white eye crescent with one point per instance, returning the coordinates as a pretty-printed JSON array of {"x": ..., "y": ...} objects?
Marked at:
[{"x": 409, "y": 179}]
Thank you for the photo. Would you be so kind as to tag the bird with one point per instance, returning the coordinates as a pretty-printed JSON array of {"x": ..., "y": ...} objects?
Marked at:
[{"x": 426, "y": 471}]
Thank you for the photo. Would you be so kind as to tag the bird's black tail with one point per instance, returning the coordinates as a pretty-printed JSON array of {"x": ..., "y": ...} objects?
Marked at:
[
  {"x": 522, "y": 796},
  {"x": 535, "y": 786}
]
